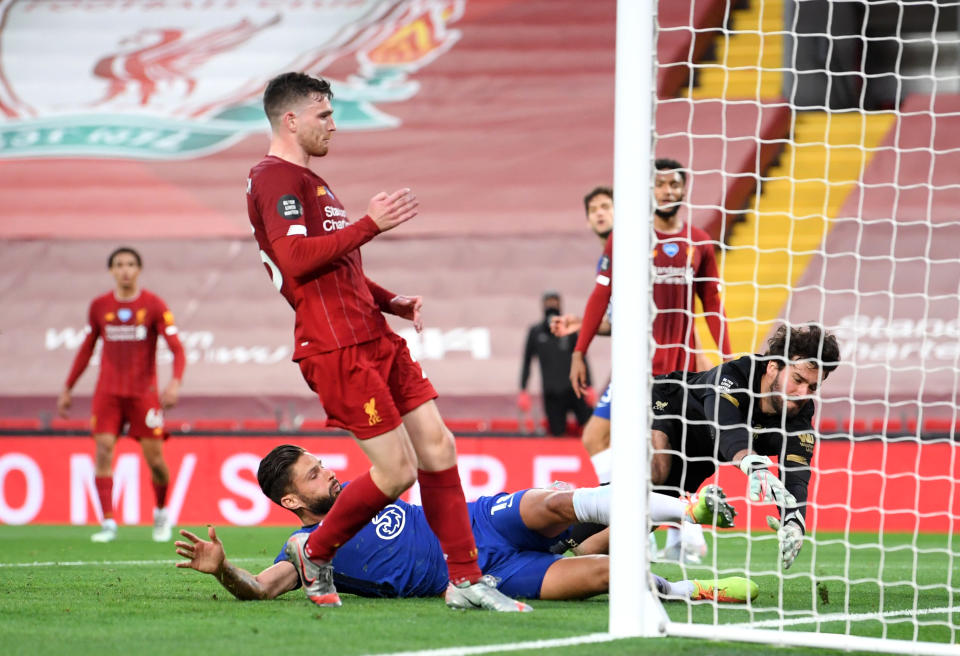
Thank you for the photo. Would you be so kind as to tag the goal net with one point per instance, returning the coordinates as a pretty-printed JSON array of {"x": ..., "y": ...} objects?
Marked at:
[{"x": 822, "y": 146}]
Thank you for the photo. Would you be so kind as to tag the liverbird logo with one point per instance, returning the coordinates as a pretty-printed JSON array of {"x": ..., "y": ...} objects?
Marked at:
[
  {"x": 163, "y": 56},
  {"x": 370, "y": 407},
  {"x": 184, "y": 79}
]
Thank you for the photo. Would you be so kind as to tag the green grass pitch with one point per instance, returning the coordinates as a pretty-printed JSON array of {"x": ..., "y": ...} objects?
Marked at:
[{"x": 127, "y": 598}]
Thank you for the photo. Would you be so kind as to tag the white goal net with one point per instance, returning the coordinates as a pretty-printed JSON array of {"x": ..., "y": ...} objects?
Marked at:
[{"x": 822, "y": 146}]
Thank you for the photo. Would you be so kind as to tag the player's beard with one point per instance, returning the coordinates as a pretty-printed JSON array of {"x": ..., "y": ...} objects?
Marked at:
[
  {"x": 669, "y": 212},
  {"x": 777, "y": 401},
  {"x": 322, "y": 505}
]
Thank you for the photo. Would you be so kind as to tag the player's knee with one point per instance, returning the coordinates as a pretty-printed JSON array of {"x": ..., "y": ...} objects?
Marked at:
[
  {"x": 398, "y": 481},
  {"x": 596, "y": 437},
  {"x": 558, "y": 506},
  {"x": 103, "y": 455},
  {"x": 159, "y": 471},
  {"x": 438, "y": 452}
]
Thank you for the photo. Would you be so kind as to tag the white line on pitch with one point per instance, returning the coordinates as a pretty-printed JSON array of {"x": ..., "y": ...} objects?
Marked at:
[
  {"x": 87, "y": 563},
  {"x": 513, "y": 646},
  {"x": 844, "y": 617}
]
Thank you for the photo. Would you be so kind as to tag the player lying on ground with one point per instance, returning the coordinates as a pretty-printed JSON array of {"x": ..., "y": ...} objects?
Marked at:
[{"x": 396, "y": 554}]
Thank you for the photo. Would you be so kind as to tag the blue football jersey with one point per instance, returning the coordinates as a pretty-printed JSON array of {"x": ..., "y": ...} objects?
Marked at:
[{"x": 394, "y": 555}]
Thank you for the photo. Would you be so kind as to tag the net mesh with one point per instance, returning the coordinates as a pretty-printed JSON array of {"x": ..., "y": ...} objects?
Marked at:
[{"x": 822, "y": 141}]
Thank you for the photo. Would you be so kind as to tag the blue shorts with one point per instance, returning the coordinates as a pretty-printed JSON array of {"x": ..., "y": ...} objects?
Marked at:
[
  {"x": 516, "y": 555},
  {"x": 602, "y": 409}
]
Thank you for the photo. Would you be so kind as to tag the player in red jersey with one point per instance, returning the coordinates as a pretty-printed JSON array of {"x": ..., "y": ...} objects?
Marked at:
[
  {"x": 361, "y": 370},
  {"x": 128, "y": 319},
  {"x": 684, "y": 266}
]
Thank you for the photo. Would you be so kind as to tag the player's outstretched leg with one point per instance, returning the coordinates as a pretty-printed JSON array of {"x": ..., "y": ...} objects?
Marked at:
[
  {"x": 733, "y": 589},
  {"x": 317, "y": 578},
  {"x": 107, "y": 532},
  {"x": 712, "y": 503},
  {"x": 482, "y": 595}
]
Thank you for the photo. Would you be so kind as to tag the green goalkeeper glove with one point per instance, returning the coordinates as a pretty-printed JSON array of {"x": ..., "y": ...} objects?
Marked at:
[
  {"x": 791, "y": 539},
  {"x": 764, "y": 486}
]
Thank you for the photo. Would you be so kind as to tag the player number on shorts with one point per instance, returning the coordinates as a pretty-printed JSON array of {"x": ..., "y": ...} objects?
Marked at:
[
  {"x": 154, "y": 418},
  {"x": 275, "y": 274}
]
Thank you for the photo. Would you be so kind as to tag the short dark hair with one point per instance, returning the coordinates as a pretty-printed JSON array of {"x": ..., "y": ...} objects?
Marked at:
[
  {"x": 287, "y": 89},
  {"x": 596, "y": 191},
  {"x": 124, "y": 249},
  {"x": 273, "y": 475},
  {"x": 667, "y": 164},
  {"x": 808, "y": 342}
]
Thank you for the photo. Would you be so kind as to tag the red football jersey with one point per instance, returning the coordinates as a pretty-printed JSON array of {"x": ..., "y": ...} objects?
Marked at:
[
  {"x": 684, "y": 265},
  {"x": 129, "y": 329},
  {"x": 334, "y": 302}
]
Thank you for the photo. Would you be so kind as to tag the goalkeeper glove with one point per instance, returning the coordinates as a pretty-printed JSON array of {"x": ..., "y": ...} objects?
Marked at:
[
  {"x": 790, "y": 536},
  {"x": 764, "y": 486}
]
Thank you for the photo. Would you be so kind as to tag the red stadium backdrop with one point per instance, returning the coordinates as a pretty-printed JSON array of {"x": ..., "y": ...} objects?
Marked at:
[{"x": 213, "y": 480}]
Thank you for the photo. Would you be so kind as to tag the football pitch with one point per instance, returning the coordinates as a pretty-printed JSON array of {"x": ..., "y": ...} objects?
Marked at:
[{"x": 60, "y": 593}]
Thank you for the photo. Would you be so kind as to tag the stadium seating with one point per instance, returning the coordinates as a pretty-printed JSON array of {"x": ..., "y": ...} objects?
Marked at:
[{"x": 678, "y": 44}]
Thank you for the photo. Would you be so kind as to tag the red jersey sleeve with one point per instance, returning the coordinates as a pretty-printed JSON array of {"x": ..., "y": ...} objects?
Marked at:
[
  {"x": 599, "y": 299},
  {"x": 281, "y": 194},
  {"x": 381, "y": 296},
  {"x": 708, "y": 289},
  {"x": 82, "y": 358},
  {"x": 166, "y": 326},
  {"x": 305, "y": 257}
]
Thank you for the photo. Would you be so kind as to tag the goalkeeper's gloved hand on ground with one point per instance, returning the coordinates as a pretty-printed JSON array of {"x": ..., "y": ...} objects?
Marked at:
[
  {"x": 790, "y": 535},
  {"x": 764, "y": 486}
]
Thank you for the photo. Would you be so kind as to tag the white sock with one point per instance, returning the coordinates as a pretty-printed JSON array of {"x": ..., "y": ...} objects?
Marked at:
[
  {"x": 683, "y": 589},
  {"x": 665, "y": 509},
  {"x": 692, "y": 534},
  {"x": 592, "y": 504},
  {"x": 673, "y": 536},
  {"x": 110, "y": 523},
  {"x": 603, "y": 465}
]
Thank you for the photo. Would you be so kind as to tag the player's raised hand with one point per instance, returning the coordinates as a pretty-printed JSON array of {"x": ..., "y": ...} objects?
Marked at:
[
  {"x": 408, "y": 307},
  {"x": 201, "y": 555},
  {"x": 578, "y": 374},
  {"x": 565, "y": 324},
  {"x": 64, "y": 401},
  {"x": 390, "y": 210}
]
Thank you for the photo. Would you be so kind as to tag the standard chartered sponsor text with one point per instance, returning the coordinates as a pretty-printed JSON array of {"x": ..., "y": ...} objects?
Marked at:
[{"x": 867, "y": 338}]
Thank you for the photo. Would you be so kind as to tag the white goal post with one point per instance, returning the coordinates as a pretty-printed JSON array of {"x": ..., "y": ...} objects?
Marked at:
[{"x": 821, "y": 142}]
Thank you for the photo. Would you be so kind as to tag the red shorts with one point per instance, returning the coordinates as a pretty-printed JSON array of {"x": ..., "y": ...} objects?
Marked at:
[
  {"x": 143, "y": 414},
  {"x": 367, "y": 388}
]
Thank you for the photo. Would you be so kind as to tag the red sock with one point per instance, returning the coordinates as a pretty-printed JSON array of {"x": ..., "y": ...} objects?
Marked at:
[
  {"x": 104, "y": 490},
  {"x": 446, "y": 511},
  {"x": 160, "y": 490},
  {"x": 357, "y": 504}
]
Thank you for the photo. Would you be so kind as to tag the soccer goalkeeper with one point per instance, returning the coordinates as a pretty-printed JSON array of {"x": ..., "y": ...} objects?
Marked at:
[{"x": 742, "y": 412}]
